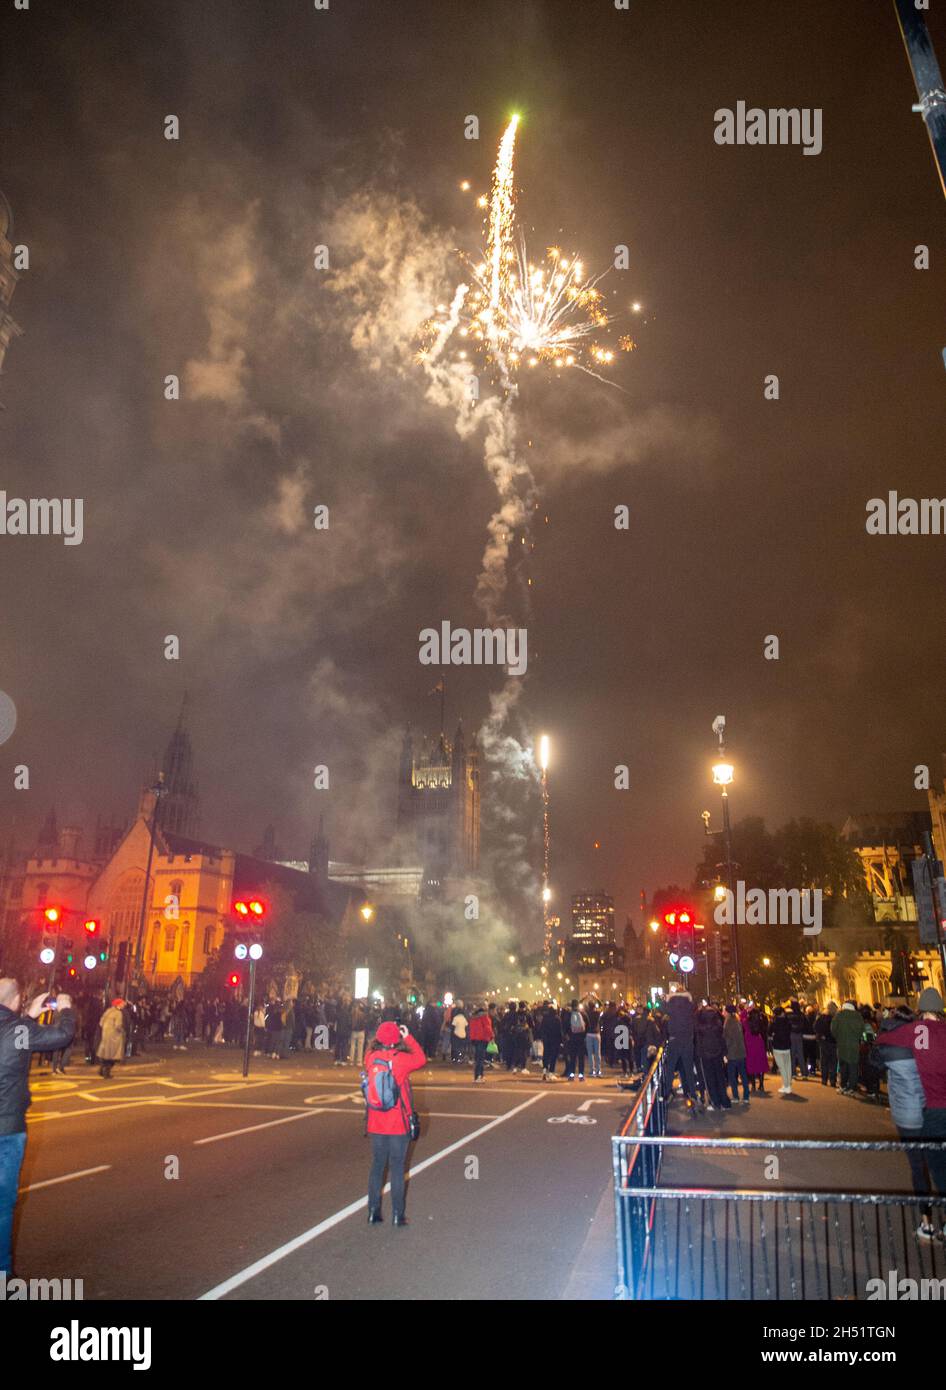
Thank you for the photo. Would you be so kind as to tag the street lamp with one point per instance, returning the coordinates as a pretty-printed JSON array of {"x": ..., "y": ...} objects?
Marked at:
[
  {"x": 367, "y": 912},
  {"x": 723, "y": 775},
  {"x": 546, "y": 846}
]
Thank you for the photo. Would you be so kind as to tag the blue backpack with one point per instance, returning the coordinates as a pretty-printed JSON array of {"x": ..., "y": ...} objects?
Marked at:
[{"x": 378, "y": 1084}]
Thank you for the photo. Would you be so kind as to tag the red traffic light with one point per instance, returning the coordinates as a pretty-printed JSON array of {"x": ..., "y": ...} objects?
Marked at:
[
  {"x": 93, "y": 926},
  {"x": 233, "y": 980},
  {"x": 685, "y": 918},
  {"x": 52, "y": 914},
  {"x": 257, "y": 908},
  {"x": 241, "y": 909},
  {"x": 670, "y": 918}
]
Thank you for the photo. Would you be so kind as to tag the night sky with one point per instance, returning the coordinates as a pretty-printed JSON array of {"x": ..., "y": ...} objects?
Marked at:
[{"x": 298, "y": 647}]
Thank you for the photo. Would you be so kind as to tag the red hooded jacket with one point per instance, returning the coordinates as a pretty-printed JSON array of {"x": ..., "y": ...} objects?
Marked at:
[
  {"x": 396, "y": 1121},
  {"x": 481, "y": 1028}
]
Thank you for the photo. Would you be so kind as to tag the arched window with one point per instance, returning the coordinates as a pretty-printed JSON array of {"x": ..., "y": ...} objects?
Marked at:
[
  {"x": 850, "y": 985},
  {"x": 208, "y": 940},
  {"x": 170, "y": 934},
  {"x": 123, "y": 911},
  {"x": 182, "y": 950},
  {"x": 879, "y": 986}
]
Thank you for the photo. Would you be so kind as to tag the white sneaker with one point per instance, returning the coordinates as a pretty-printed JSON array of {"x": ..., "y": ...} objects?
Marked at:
[
  {"x": 710, "y": 1107},
  {"x": 785, "y": 1090}
]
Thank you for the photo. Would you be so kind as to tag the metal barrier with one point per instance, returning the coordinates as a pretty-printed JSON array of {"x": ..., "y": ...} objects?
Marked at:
[
  {"x": 677, "y": 1242},
  {"x": 636, "y": 1166}
]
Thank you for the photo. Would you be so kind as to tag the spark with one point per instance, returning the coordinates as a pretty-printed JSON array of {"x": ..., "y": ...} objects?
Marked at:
[{"x": 524, "y": 312}]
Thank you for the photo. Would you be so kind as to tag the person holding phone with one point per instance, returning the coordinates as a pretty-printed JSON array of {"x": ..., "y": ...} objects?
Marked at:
[
  {"x": 20, "y": 1036},
  {"x": 390, "y": 1121}
]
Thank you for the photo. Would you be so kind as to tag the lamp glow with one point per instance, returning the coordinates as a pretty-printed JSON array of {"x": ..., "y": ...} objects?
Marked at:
[{"x": 723, "y": 774}]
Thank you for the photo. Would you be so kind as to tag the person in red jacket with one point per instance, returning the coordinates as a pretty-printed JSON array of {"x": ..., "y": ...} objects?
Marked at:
[
  {"x": 926, "y": 1039},
  {"x": 481, "y": 1035},
  {"x": 395, "y": 1051}
]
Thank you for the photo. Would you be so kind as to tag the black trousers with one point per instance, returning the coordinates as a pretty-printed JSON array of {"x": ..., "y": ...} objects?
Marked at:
[
  {"x": 575, "y": 1052},
  {"x": 387, "y": 1151},
  {"x": 679, "y": 1054},
  {"x": 549, "y": 1055}
]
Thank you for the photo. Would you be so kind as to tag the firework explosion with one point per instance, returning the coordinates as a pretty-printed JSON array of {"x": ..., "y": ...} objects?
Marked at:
[{"x": 517, "y": 312}]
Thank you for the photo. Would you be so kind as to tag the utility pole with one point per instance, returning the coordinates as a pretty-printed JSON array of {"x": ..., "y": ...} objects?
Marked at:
[
  {"x": 928, "y": 78},
  {"x": 132, "y": 962}
]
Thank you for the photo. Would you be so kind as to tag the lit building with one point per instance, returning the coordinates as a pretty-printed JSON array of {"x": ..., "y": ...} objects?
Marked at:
[
  {"x": 190, "y": 891},
  {"x": 593, "y": 918}
]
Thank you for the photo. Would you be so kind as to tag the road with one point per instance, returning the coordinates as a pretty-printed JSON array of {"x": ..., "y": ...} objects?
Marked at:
[{"x": 177, "y": 1179}]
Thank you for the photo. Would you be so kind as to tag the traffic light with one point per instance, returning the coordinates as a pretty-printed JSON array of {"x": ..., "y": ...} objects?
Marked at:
[
  {"x": 92, "y": 927},
  {"x": 53, "y": 915},
  {"x": 680, "y": 926},
  {"x": 105, "y": 951},
  {"x": 233, "y": 979},
  {"x": 250, "y": 907}
]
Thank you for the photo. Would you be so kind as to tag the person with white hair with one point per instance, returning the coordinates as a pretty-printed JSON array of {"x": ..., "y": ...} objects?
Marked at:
[{"x": 20, "y": 1036}]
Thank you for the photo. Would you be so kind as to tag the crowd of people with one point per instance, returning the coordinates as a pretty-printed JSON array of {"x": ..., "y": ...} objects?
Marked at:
[{"x": 716, "y": 1049}]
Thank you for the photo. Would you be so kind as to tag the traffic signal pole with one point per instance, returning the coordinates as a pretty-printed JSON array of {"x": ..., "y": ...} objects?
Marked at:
[{"x": 249, "y": 1017}]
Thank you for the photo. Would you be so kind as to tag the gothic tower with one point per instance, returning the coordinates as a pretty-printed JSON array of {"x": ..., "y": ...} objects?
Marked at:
[
  {"x": 180, "y": 805},
  {"x": 438, "y": 808},
  {"x": 318, "y": 855}
]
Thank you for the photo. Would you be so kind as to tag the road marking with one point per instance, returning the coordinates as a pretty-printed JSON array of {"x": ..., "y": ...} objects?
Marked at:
[
  {"x": 572, "y": 1120},
  {"x": 598, "y": 1100},
  {"x": 67, "y": 1177},
  {"x": 267, "y": 1124},
  {"x": 291, "y": 1246}
]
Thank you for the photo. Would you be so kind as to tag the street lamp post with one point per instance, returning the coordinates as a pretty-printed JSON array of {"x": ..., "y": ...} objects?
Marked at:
[
  {"x": 723, "y": 773},
  {"x": 132, "y": 965}
]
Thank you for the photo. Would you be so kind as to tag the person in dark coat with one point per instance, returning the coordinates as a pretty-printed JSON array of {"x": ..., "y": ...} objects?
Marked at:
[
  {"x": 827, "y": 1047},
  {"x": 710, "y": 1050},
  {"x": 681, "y": 1031},
  {"x": 20, "y": 1036},
  {"x": 550, "y": 1031},
  {"x": 755, "y": 1028}
]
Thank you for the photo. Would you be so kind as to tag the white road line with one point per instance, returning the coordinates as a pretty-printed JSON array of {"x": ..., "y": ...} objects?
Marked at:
[
  {"x": 268, "y": 1124},
  {"x": 291, "y": 1246},
  {"x": 67, "y": 1177}
]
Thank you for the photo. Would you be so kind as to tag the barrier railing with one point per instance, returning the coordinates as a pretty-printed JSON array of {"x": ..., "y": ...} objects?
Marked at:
[
  {"x": 682, "y": 1242},
  {"x": 636, "y": 1166}
]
